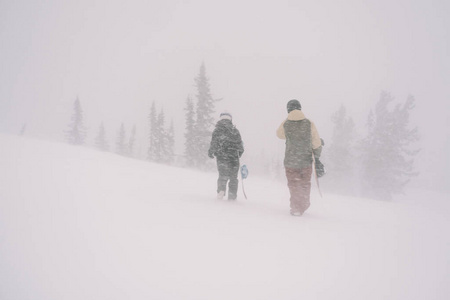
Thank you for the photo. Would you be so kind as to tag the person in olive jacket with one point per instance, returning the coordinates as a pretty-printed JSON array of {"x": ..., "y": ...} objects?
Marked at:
[
  {"x": 227, "y": 147},
  {"x": 302, "y": 142}
]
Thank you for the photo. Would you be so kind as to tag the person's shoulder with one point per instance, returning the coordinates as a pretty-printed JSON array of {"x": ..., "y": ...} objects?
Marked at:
[{"x": 312, "y": 123}]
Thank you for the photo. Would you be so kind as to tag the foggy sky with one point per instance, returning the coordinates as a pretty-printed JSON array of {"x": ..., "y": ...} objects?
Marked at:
[{"x": 120, "y": 56}]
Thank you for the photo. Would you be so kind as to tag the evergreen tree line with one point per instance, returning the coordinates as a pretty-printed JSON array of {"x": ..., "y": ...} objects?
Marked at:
[
  {"x": 161, "y": 140},
  {"x": 378, "y": 165},
  {"x": 199, "y": 120}
]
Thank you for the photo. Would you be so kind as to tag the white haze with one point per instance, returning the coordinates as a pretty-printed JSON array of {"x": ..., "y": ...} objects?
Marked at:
[{"x": 119, "y": 56}]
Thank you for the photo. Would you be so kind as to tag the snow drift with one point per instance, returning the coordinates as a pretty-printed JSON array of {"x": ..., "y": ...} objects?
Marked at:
[{"x": 76, "y": 223}]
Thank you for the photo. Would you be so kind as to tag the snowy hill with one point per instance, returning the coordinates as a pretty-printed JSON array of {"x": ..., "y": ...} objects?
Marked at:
[{"x": 76, "y": 223}]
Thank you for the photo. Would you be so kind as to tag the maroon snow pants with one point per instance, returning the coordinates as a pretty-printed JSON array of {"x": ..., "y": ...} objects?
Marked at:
[{"x": 299, "y": 183}]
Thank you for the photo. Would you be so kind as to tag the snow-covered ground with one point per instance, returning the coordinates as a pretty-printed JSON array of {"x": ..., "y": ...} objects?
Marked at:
[{"x": 76, "y": 223}]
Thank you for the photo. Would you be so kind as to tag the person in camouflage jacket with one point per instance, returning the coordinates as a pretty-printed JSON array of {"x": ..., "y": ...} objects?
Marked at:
[
  {"x": 302, "y": 142},
  {"x": 227, "y": 147}
]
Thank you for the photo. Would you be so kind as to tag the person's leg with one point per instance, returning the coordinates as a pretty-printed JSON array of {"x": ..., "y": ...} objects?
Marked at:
[
  {"x": 305, "y": 188},
  {"x": 223, "y": 177},
  {"x": 294, "y": 184},
  {"x": 233, "y": 184}
]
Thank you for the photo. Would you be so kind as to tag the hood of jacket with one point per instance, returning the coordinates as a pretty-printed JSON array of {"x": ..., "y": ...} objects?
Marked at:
[
  {"x": 225, "y": 123},
  {"x": 296, "y": 115}
]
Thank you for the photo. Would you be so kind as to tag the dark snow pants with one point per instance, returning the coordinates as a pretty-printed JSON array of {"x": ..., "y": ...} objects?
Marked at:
[
  {"x": 228, "y": 173},
  {"x": 299, "y": 183}
]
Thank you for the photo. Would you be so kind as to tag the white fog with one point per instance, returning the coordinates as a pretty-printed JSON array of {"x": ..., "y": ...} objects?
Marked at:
[{"x": 121, "y": 57}]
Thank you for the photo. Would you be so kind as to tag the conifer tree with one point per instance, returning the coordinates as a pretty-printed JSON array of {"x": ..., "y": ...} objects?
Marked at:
[
  {"x": 152, "y": 151},
  {"x": 340, "y": 155},
  {"x": 189, "y": 135},
  {"x": 388, "y": 156},
  {"x": 165, "y": 140},
  {"x": 121, "y": 148},
  {"x": 100, "y": 140},
  {"x": 76, "y": 133},
  {"x": 170, "y": 144},
  {"x": 161, "y": 141},
  {"x": 131, "y": 142},
  {"x": 204, "y": 124}
]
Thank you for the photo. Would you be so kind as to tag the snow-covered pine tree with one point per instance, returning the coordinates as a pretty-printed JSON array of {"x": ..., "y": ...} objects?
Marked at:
[
  {"x": 161, "y": 138},
  {"x": 170, "y": 136},
  {"x": 204, "y": 124},
  {"x": 131, "y": 142},
  {"x": 388, "y": 157},
  {"x": 340, "y": 156},
  {"x": 121, "y": 148},
  {"x": 76, "y": 133},
  {"x": 165, "y": 140},
  {"x": 189, "y": 134},
  {"x": 152, "y": 151},
  {"x": 100, "y": 140}
]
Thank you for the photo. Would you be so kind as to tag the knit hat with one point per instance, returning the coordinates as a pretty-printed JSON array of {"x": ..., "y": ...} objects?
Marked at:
[
  {"x": 226, "y": 116},
  {"x": 293, "y": 104}
]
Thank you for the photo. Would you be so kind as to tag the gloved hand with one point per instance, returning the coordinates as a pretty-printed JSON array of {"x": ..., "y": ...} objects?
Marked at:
[{"x": 320, "y": 168}]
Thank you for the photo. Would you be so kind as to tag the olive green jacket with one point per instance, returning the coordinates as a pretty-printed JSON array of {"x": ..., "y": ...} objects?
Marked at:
[{"x": 302, "y": 140}]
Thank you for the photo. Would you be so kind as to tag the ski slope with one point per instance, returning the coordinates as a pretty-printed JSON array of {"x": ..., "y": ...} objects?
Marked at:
[{"x": 76, "y": 223}]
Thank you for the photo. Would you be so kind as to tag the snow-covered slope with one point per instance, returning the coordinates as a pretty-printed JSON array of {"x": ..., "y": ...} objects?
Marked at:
[{"x": 80, "y": 224}]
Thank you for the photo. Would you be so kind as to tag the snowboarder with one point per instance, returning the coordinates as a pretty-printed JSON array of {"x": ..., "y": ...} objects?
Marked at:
[
  {"x": 302, "y": 142},
  {"x": 227, "y": 147}
]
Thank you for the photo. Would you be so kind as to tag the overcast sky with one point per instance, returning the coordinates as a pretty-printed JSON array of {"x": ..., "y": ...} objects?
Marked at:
[{"x": 120, "y": 56}]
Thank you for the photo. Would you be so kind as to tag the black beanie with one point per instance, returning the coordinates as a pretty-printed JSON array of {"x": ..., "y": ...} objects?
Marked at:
[{"x": 293, "y": 104}]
